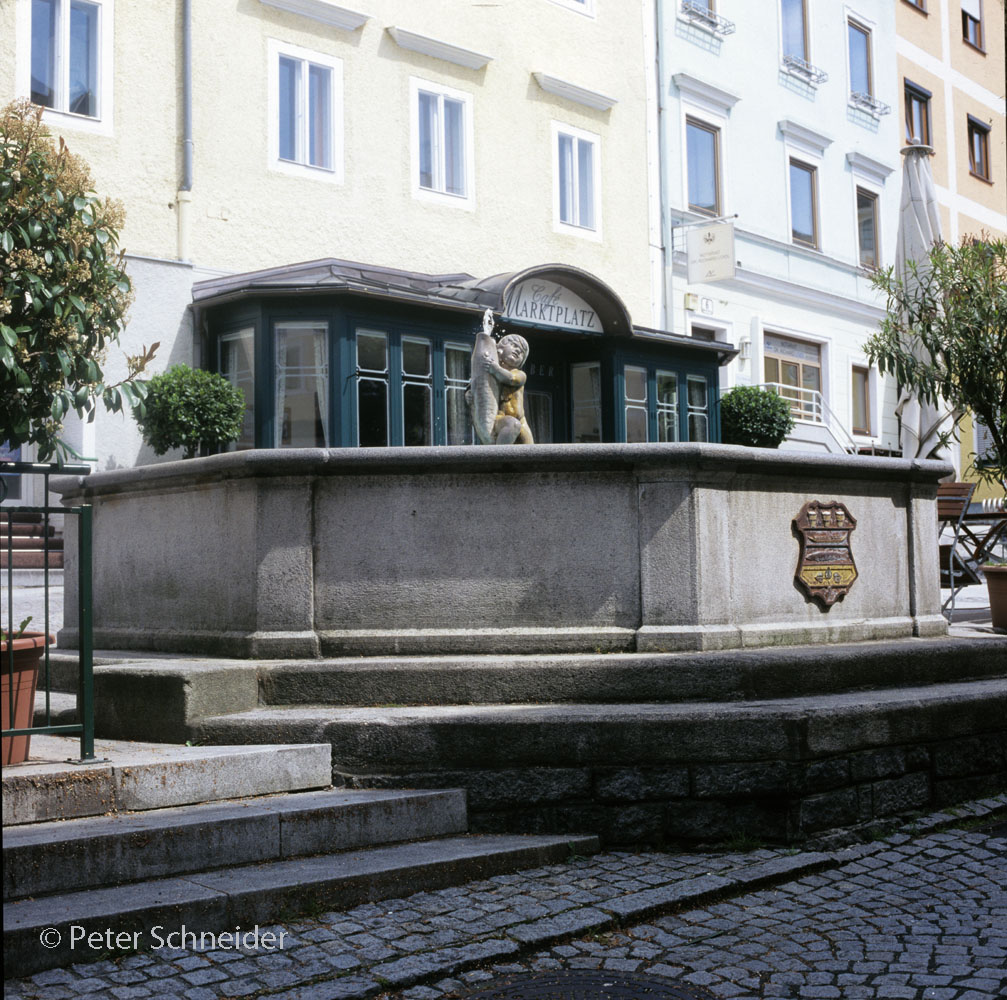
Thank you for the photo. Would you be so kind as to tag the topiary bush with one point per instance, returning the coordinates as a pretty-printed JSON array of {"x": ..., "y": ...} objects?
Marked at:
[
  {"x": 191, "y": 409},
  {"x": 754, "y": 417}
]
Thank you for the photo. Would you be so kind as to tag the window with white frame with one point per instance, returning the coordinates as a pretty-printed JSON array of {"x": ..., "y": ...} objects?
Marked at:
[
  {"x": 66, "y": 63},
  {"x": 702, "y": 145},
  {"x": 860, "y": 398},
  {"x": 867, "y": 227},
  {"x": 442, "y": 142},
  {"x": 803, "y": 203},
  {"x": 306, "y": 112},
  {"x": 794, "y": 18},
  {"x": 575, "y": 179},
  {"x": 861, "y": 68}
]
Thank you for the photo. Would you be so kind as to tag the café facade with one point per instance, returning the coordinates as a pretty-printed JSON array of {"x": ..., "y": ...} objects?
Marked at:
[{"x": 336, "y": 354}]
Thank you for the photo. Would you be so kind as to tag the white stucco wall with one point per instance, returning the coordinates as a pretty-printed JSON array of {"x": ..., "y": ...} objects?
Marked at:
[{"x": 736, "y": 83}]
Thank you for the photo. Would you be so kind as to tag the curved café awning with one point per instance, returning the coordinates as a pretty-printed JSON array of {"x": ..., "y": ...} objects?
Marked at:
[{"x": 552, "y": 295}]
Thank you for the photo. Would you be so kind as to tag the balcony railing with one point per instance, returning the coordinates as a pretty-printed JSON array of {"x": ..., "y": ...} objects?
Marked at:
[
  {"x": 796, "y": 65},
  {"x": 699, "y": 12},
  {"x": 810, "y": 405},
  {"x": 870, "y": 104}
]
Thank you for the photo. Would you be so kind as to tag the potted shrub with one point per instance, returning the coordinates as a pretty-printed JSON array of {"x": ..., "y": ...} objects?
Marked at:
[
  {"x": 754, "y": 417},
  {"x": 20, "y": 653},
  {"x": 191, "y": 409}
]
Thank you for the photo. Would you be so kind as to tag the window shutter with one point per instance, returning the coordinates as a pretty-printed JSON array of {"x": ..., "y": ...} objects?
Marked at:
[{"x": 973, "y": 8}]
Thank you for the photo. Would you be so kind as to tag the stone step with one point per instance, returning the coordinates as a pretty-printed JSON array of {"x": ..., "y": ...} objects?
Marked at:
[
  {"x": 57, "y": 857},
  {"x": 779, "y": 769},
  {"x": 626, "y": 677},
  {"x": 154, "y": 776},
  {"x": 188, "y": 689},
  {"x": 252, "y": 895}
]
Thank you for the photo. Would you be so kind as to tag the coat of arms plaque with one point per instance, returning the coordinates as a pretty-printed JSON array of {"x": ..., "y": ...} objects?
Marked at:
[{"x": 826, "y": 569}]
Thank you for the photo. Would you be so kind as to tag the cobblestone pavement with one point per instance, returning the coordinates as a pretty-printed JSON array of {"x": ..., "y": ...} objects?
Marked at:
[{"x": 921, "y": 917}]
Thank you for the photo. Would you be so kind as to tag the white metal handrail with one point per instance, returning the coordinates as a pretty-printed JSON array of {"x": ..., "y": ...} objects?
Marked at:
[{"x": 810, "y": 405}]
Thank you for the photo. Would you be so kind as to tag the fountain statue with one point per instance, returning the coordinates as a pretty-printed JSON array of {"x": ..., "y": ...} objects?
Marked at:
[{"x": 496, "y": 387}]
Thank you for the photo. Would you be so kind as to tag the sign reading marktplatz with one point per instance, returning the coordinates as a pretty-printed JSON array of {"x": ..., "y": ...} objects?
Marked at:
[{"x": 826, "y": 569}]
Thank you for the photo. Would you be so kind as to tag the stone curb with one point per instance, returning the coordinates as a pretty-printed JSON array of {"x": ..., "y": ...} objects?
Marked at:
[{"x": 523, "y": 939}]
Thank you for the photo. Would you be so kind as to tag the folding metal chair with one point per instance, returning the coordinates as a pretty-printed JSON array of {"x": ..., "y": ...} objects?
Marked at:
[{"x": 952, "y": 502}]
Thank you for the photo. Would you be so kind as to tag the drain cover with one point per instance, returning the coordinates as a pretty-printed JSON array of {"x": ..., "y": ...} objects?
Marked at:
[{"x": 581, "y": 985}]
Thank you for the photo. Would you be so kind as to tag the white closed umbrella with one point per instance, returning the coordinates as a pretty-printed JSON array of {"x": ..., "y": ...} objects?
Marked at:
[{"x": 919, "y": 229}]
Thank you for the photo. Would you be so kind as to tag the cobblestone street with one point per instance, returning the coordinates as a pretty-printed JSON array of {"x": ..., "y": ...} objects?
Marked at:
[{"x": 920, "y": 915}]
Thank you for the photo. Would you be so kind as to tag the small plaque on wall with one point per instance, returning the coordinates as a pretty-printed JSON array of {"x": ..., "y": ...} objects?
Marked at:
[{"x": 826, "y": 569}]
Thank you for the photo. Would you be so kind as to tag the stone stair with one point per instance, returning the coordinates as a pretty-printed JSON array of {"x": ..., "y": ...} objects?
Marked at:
[
  {"x": 28, "y": 542},
  {"x": 218, "y": 837},
  {"x": 779, "y": 744}
]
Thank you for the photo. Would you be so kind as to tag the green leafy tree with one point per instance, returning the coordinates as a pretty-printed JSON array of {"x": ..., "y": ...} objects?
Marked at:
[
  {"x": 191, "y": 409},
  {"x": 63, "y": 288},
  {"x": 945, "y": 337},
  {"x": 754, "y": 417}
]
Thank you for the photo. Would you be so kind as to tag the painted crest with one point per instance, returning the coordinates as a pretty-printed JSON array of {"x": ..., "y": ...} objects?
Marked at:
[{"x": 826, "y": 569}]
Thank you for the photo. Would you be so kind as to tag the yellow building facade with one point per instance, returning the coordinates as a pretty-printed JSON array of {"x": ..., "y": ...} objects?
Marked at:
[
  {"x": 439, "y": 137},
  {"x": 951, "y": 65}
]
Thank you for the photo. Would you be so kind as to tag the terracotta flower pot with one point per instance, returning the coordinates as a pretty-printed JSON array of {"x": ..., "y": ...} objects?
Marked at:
[
  {"x": 996, "y": 584},
  {"x": 28, "y": 649}
]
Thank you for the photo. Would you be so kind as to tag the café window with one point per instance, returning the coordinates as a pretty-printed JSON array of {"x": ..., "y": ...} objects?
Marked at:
[
  {"x": 794, "y": 367},
  {"x": 302, "y": 385},
  {"x": 651, "y": 405},
  {"x": 635, "y": 394},
  {"x": 585, "y": 385},
  {"x": 372, "y": 388},
  {"x": 237, "y": 365},
  {"x": 457, "y": 363},
  {"x": 417, "y": 392}
]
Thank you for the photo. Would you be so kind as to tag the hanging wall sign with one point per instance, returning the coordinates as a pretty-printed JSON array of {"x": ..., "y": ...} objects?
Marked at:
[
  {"x": 826, "y": 569},
  {"x": 545, "y": 303},
  {"x": 710, "y": 252}
]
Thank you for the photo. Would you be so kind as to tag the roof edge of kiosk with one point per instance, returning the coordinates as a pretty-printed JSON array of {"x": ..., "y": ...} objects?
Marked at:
[{"x": 458, "y": 292}]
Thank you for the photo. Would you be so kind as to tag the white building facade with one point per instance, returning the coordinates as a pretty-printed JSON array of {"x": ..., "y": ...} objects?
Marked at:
[{"x": 781, "y": 118}]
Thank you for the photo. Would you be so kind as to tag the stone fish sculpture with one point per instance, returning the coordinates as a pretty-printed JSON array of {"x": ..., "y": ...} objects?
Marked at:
[{"x": 496, "y": 387}]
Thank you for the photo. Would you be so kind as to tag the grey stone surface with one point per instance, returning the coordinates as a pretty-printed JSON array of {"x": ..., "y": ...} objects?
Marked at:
[
  {"x": 144, "y": 775},
  {"x": 77, "y": 854},
  {"x": 919, "y": 916},
  {"x": 376, "y": 560}
]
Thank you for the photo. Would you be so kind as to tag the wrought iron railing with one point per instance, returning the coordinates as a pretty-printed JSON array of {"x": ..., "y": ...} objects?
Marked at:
[{"x": 84, "y": 726}]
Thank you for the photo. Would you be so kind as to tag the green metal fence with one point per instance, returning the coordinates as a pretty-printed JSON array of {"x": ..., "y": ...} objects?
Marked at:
[{"x": 84, "y": 726}]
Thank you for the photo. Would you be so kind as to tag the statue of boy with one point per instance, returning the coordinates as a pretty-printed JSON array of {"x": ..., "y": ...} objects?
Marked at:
[{"x": 496, "y": 387}]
